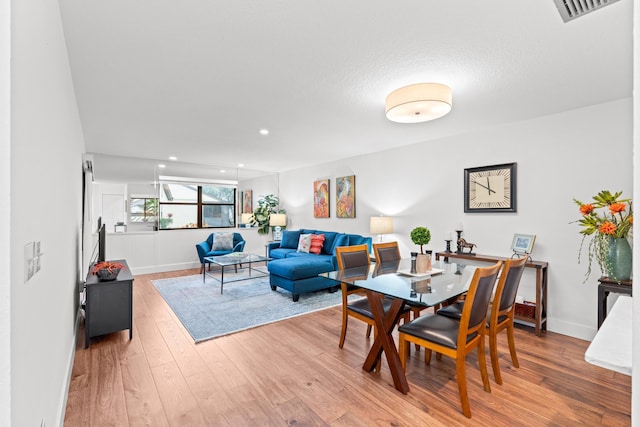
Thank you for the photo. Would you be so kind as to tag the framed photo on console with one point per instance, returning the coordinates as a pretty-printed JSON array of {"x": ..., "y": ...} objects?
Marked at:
[
  {"x": 523, "y": 243},
  {"x": 490, "y": 188}
]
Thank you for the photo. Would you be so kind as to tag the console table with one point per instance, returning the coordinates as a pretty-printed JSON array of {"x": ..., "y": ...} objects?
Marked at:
[
  {"x": 108, "y": 304},
  {"x": 539, "y": 321},
  {"x": 606, "y": 286}
]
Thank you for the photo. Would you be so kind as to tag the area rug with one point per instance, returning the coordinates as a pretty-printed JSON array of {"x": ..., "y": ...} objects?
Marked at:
[{"x": 244, "y": 304}]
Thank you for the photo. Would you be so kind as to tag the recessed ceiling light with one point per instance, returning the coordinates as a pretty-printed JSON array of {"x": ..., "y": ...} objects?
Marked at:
[
  {"x": 162, "y": 166},
  {"x": 222, "y": 171},
  {"x": 240, "y": 165},
  {"x": 173, "y": 158},
  {"x": 264, "y": 131}
]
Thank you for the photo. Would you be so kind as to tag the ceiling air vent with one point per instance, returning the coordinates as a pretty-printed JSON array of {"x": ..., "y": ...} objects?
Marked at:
[{"x": 572, "y": 9}]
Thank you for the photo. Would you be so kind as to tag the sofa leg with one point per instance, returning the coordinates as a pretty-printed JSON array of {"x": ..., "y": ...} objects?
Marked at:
[
  {"x": 296, "y": 297},
  {"x": 274, "y": 287}
]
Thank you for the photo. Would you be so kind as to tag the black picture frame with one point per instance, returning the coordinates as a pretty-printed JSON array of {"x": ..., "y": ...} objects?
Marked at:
[{"x": 508, "y": 204}]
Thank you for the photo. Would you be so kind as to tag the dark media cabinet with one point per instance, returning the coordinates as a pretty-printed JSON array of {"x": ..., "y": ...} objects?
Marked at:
[{"x": 108, "y": 305}]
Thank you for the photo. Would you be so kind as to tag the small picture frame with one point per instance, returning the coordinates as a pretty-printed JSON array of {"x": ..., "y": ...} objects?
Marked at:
[{"x": 523, "y": 243}]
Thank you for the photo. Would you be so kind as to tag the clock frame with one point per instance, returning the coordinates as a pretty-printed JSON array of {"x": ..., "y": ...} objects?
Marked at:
[{"x": 490, "y": 188}]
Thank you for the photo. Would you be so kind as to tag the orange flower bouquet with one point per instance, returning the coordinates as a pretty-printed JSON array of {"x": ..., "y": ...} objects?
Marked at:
[{"x": 614, "y": 221}]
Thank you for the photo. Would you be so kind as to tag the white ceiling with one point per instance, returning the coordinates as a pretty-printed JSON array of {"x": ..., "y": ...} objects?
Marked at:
[{"x": 198, "y": 78}]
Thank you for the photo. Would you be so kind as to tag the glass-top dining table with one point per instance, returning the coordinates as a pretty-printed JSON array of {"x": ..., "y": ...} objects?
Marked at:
[{"x": 445, "y": 282}]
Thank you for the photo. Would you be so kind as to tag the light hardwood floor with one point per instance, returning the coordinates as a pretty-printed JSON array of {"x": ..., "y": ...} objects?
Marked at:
[{"x": 293, "y": 373}]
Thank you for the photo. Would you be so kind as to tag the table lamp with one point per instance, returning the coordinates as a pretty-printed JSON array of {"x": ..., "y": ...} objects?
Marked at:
[
  {"x": 381, "y": 225},
  {"x": 246, "y": 219},
  {"x": 277, "y": 221}
]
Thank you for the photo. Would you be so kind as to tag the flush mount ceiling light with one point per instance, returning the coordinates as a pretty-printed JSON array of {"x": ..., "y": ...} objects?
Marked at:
[{"x": 419, "y": 102}]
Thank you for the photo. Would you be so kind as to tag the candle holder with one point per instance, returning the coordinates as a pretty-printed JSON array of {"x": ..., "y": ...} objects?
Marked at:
[
  {"x": 448, "y": 249},
  {"x": 459, "y": 244}
]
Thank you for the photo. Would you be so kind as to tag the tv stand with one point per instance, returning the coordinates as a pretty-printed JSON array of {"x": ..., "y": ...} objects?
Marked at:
[
  {"x": 108, "y": 305},
  {"x": 539, "y": 321}
]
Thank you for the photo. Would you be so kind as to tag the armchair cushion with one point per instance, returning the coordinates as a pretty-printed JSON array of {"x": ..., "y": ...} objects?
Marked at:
[{"x": 222, "y": 242}]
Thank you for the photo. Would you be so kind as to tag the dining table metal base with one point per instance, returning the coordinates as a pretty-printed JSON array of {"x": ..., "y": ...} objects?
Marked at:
[{"x": 385, "y": 323}]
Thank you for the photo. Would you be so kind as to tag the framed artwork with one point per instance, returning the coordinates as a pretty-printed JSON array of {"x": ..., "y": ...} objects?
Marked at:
[
  {"x": 321, "y": 198},
  {"x": 523, "y": 243},
  {"x": 490, "y": 188},
  {"x": 247, "y": 201},
  {"x": 346, "y": 197}
]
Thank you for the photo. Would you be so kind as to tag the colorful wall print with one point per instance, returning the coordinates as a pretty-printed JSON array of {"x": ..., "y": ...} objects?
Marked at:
[
  {"x": 247, "y": 201},
  {"x": 346, "y": 197},
  {"x": 321, "y": 198}
]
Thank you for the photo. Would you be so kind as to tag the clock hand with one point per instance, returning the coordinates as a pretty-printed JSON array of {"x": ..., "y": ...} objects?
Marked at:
[
  {"x": 489, "y": 186},
  {"x": 484, "y": 186}
]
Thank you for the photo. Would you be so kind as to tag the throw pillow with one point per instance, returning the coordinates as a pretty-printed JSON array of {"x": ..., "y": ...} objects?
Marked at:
[
  {"x": 290, "y": 239},
  {"x": 317, "y": 240},
  {"x": 223, "y": 242},
  {"x": 304, "y": 243}
]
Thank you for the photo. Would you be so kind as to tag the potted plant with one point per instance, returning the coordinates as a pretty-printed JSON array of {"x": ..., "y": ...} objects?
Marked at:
[
  {"x": 422, "y": 236},
  {"x": 107, "y": 270},
  {"x": 610, "y": 230},
  {"x": 266, "y": 206}
]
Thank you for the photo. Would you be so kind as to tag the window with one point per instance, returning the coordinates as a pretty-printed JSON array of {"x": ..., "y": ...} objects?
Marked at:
[
  {"x": 143, "y": 209},
  {"x": 192, "y": 205}
]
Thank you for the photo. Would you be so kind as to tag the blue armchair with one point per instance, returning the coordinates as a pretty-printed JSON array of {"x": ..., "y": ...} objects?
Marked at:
[{"x": 205, "y": 248}]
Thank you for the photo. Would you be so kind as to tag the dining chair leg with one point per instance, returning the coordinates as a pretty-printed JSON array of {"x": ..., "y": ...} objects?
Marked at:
[
  {"x": 483, "y": 366},
  {"x": 402, "y": 351},
  {"x": 462, "y": 385},
  {"x": 343, "y": 332},
  {"x": 427, "y": 356},
  {"x": 495, "y": 363},
  {"x": 512, "y": 346},
  {"x": 201, "y": 268}
]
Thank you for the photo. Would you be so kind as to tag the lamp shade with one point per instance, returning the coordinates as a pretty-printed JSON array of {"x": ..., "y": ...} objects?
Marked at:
[
  {"x": 418, "y": 103},
  {"x": 381, "y": 225},
  {"x": 246, "y": 218},
  {"x": 277, "y": 220}
]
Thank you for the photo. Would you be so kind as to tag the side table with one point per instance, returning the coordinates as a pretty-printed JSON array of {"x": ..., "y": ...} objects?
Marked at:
[{"x": 606, "y": 286}]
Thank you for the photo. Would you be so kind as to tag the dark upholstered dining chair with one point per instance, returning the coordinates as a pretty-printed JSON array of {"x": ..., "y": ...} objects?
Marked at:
[
  {"x": 387, "y": 252},
  {"x": 353, "y": 257},
  {"x": 501, "y": 312},
  {"x": 456, "y": 338}
]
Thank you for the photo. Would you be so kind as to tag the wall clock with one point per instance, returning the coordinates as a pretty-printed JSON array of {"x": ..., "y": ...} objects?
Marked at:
[{"x": 490, "y": 188}]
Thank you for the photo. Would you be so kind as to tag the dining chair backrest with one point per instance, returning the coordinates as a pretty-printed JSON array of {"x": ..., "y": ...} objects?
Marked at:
[
  {"x": 385, "y": 252},
  {"x": 474, "y": 315},
  {"x": 352, "y": 256},
  {"x": 508, "y": 285}
]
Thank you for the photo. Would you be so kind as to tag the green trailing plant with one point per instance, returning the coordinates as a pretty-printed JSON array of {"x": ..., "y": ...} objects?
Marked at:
[
  {"x": 421, "y": 236},
  {"x": 267, "y": 205}
]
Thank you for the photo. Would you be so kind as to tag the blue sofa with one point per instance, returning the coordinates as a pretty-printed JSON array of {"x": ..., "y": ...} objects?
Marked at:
[
  {"x": 297, "y": 272},
  {"x": 205, "y": 248}
]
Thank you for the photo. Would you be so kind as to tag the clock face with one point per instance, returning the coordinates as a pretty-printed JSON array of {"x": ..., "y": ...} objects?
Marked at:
[{"x": 490, "y": 189}]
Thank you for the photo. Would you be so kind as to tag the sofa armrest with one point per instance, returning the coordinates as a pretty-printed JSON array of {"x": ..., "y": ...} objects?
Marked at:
[
  {"x": 270, "y": 246},
  {"x": 239, "y": 247},
  {"x": 203, "y": 249}
]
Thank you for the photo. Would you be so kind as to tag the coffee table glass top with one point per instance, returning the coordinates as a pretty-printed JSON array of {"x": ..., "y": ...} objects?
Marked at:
[{"x": 235, "y": 258}]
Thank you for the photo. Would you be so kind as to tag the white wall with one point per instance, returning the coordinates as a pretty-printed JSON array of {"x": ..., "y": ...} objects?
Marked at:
[
  {"x": 574, "y": 154},
  {"x": 46, "y": 193},
  {"x": 5, "y": 224}
]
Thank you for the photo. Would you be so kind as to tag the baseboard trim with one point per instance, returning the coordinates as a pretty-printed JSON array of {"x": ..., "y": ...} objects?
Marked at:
[
  {"x": 72, "y": 356},
  {"x": 165, "y": 267}
]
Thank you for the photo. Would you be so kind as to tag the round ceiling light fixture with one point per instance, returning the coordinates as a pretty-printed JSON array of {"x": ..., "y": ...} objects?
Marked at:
[{"x": 418, "y": 103}]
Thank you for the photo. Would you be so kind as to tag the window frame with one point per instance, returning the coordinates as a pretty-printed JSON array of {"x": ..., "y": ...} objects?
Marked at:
[{"x": 199, "y": 204}]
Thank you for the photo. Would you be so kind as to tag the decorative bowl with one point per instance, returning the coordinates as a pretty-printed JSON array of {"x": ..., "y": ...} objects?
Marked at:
[{"x": 105, "y": 275}]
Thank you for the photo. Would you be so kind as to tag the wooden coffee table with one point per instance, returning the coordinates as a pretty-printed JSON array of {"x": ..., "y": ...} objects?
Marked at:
[{"x": 235, "y": 259}]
